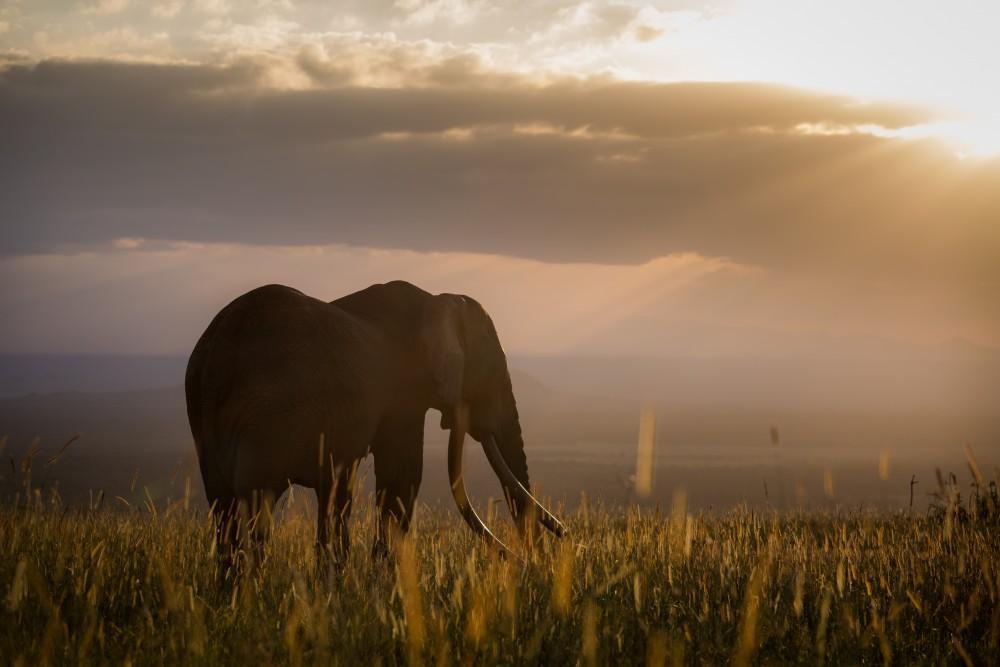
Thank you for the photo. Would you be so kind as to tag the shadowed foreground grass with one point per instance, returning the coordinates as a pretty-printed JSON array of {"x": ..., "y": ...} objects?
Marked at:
[{"x": 629, "y": 586}]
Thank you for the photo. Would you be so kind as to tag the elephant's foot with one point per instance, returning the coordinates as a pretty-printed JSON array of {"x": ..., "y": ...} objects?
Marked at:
[
  {"x": 331, "y": 557},
  {"x": 380, "y": 550}
]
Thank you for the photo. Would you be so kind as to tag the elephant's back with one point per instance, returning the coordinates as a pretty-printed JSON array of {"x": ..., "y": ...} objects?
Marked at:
[
  {"x": 269, "y": 321},
  {"x": 273, "y": 351}
]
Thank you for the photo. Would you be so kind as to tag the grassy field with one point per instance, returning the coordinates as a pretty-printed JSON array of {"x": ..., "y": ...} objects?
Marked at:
[{"x": 138, "y": 585}]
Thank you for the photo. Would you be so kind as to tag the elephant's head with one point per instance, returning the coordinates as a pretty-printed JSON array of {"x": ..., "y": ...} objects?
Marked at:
[{"x": 473, "y": 392}]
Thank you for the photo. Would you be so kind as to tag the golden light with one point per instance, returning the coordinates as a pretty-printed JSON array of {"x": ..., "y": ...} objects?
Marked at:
[
  {"x": 971, "y": 138},
  {"x": 933, "y": 54},
  {"x": 644, "y": 453}
]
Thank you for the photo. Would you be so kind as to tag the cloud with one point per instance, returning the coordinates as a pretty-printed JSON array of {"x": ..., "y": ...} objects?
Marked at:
[
  {"x": 423, "y": 12},
  {"x": 456, "y": 143},
  {"x": 213, "y": 7},
  {"x": 175, "y": 288},
  {"x": 571, "y": 171},
  {"x": 647, "y": 33},
  {"x": 510, "y": 37},
  {"x": 106, "y": 7},
  {"x": 167, "y": 10},
  {"x": 135, "y": 295}
]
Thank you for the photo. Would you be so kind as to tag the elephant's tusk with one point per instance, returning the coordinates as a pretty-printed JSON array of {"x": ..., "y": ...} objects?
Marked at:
[
  {"x": 511, "y": 482},
  {"x": 456, "y": 442}
]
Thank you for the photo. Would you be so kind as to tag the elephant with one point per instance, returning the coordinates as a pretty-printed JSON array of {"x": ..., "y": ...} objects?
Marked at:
[{"x": 285, "y": 388}]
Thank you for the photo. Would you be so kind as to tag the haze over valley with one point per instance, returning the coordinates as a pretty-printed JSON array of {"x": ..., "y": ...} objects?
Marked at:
[{"x": 581, "y": 423}]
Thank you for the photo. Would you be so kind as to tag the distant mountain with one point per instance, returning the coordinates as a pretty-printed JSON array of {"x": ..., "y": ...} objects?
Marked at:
[
  {"x": 148, "y": 418},
  {"x": 953, "y": 377},
  {"x": 49, "y": 373},
  {"x": 147, "y": 406},
  {"x": 959, "y": 382},
  {"x": 136, "y": 441}
]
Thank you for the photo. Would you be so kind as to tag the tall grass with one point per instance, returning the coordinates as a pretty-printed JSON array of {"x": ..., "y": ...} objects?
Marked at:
[{"x": 140, "y": 586}]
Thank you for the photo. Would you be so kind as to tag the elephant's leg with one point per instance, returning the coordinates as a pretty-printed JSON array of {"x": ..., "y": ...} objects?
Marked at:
[
  {"x": 258, "y": 480},
  {"x": 260, "y": 523},
  {"x": 225, "y": 519},
  {"x": 341, "y": 498},
  {"x": 335, "y": 487},
  {"x": 223, "y": 506},
  {"x": 323, "y": 493},
  {"x": 398, "y": 471}
]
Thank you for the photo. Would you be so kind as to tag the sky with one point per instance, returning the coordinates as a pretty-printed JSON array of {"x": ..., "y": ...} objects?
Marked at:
[{"x": 672, "y": 179}]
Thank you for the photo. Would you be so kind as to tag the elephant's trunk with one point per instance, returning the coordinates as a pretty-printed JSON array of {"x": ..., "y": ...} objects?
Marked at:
[
  {"x": 456, "y": 442},
  {"x": 505, "y": 452},
  {"x": 519, "y": 494},
  {"x": 511, "y": 445}
]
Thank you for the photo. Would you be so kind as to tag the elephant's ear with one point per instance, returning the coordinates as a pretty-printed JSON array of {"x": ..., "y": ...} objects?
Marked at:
[{"x": 443, "y": 334}]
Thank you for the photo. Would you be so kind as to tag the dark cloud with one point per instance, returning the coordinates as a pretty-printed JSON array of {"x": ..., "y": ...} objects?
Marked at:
[
  {"x": 590, "y": 171},
  {"x": 155, "y": 98}
]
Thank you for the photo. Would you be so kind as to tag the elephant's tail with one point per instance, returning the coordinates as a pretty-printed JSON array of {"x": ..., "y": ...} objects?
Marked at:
[
  {"x": 201, "y": 417},
  {"x": 193, "y": 396}
]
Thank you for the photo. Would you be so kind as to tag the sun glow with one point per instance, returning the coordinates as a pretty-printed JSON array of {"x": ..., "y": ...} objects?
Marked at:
[
  {"x": 929, "y": 54},
  {"x": 971, "y": 138}
]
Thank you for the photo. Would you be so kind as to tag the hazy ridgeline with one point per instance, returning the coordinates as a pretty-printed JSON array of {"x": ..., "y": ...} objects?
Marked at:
[{"x": 847, "y": 435}]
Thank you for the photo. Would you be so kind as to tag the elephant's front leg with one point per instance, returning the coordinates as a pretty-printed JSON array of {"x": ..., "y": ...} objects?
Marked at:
[{"x": 398, "y": 454}]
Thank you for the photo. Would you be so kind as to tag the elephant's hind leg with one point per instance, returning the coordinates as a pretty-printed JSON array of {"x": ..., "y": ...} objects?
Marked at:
[
  {"x": 323, "y": 521},
  {"x": 257, "y": 484},
  {"x": 398, "y": 472},
  {"x": 223, "y": 505},
  {"x": 258, "y": 522},
  {"x": 225, "y": 518},
  {"x": 334, "y": 504}
]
